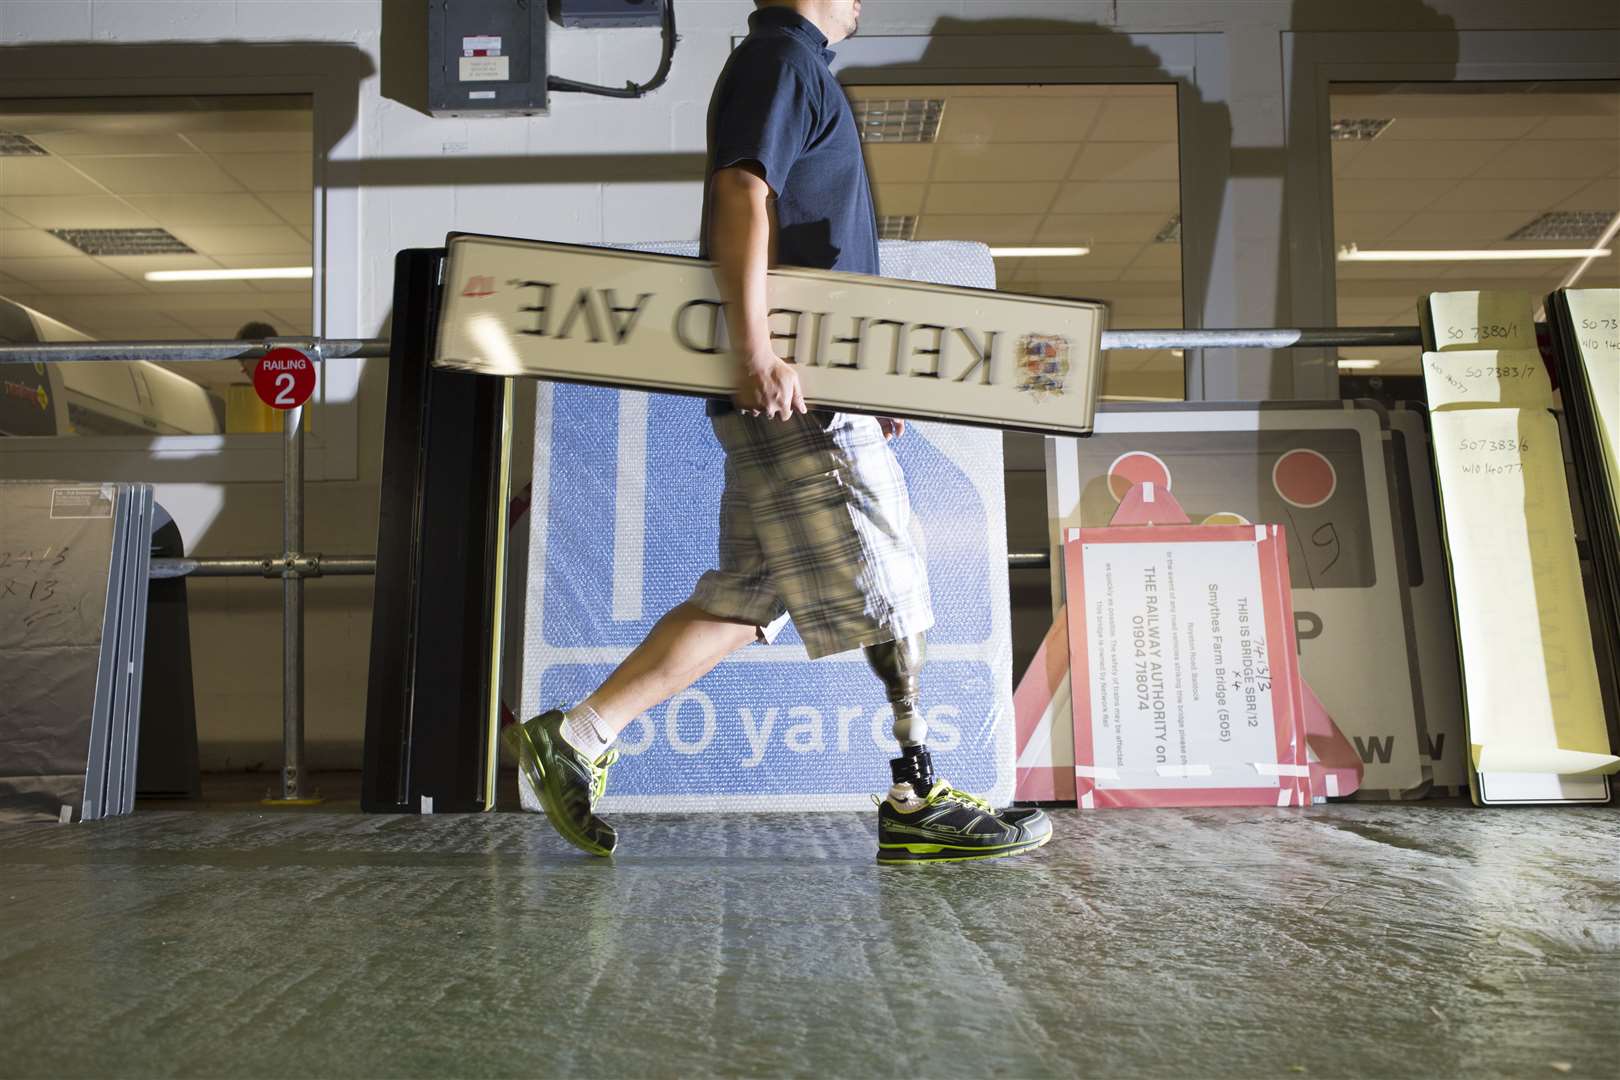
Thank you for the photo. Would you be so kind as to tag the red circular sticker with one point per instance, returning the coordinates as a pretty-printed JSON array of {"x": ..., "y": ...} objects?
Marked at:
[
  {"x": 284, "y": 378},
  {"x": 1134, "y": 468},
  {"x": 1304, "y": 478}
]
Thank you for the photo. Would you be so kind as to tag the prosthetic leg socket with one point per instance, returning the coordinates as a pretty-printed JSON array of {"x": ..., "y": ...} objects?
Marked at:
[{"x": 898, "y": 664}]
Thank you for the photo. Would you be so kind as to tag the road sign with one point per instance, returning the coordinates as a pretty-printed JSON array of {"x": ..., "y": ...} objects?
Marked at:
[
  {"x": 284, "y": 378},
  {"x": 862, "y": 344}
]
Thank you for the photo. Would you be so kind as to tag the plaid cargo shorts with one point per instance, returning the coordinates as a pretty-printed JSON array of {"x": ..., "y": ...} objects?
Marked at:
[{"x": 815, "y": 525}]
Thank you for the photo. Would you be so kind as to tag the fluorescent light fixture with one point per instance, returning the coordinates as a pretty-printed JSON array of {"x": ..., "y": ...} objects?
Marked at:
[
  {"x": 246, "y": 274},
  {"x": 1354, "y": 254},
  {"x": 1359, "y": 365},
  {"x": 1037, "y": 252}
]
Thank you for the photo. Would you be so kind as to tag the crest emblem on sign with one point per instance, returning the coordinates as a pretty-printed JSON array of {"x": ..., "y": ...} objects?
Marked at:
[{"x": 1042, "y": 364}]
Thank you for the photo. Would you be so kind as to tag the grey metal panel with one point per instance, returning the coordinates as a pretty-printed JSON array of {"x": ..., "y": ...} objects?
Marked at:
[
  {"x": 96, "y": 794},
  {"x": 140, "y": 571}
]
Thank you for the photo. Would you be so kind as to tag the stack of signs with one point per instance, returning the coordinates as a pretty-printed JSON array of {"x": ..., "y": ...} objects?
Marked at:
[
  {"x": 623, "y": 518},
  {"x": 74, "y": 563},
  {"x": 1586, "y": 332},
  {"x": 1181, "y": 646},
  {"x": 1434, "y": 626},
  {"x": 1322, "y": 472},
  {"x": 1530, "y": 684}
]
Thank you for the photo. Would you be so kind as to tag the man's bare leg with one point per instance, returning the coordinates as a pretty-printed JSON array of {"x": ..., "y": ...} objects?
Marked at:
[{"x": 683, "y": 647}]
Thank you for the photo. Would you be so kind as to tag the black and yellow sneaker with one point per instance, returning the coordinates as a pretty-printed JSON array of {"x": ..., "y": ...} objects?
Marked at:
[
  {"x": 563, "y": 781},
  {"x": 953, "y": 826}
]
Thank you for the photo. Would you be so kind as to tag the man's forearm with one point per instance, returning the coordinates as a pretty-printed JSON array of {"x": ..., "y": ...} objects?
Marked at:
[{"x": 740, "y": 244}]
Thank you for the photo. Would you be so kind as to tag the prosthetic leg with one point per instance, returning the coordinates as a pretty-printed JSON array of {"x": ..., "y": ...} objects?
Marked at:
[
  {"x": 898, "y": 664},
  {"x": 916, "y": 823}
]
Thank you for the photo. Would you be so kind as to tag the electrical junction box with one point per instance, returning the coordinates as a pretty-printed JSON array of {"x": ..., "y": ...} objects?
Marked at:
[
  {"x": 603, "y": 13},
  {"x": 487, "y": 57}
]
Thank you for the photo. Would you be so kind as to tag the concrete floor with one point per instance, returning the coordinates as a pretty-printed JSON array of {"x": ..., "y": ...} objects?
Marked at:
[{"x": 1343, "y": 941}]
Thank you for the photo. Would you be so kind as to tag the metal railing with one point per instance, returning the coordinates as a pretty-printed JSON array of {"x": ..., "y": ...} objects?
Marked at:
[{"x": 292, "y": 564}]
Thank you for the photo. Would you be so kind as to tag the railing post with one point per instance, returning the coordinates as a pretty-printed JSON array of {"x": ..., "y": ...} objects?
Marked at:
[{"x": 292, "y": 606}]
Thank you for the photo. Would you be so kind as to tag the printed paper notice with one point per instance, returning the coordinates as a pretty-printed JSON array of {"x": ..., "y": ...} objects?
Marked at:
[
  {"x": 1180, "y": 670},
  {"x": 486, "y": 68}
]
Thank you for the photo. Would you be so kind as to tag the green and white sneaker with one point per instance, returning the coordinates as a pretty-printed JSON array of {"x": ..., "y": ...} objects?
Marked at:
[
  {"x": 953, "y": 826},
  {"x": 556, "y": 778}
]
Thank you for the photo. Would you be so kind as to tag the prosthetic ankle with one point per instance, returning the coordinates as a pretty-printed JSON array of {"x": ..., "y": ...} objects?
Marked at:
[{"x": 898, "y": 664}]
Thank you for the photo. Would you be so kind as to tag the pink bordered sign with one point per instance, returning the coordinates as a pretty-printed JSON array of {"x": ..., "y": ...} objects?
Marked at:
[
  {"x": 1186, "y": 687},
  {"x": 284, "y": 378}
]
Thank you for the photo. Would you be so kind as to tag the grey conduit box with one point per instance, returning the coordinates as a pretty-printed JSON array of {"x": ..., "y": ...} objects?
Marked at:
[
  {"x": 606, "y": 13},
  {"x": 487, "y": 57}
]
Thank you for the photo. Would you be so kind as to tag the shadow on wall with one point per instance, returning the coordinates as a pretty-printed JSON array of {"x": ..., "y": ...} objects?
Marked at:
[
  {"x": 1210, "y": 120},
  {"x": 1205, "y": 124}
]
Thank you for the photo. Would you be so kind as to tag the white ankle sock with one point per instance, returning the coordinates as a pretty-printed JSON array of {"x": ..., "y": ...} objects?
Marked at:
[
  {"x": 904, "y": 794},
  {"x": 586, "y": 732}
]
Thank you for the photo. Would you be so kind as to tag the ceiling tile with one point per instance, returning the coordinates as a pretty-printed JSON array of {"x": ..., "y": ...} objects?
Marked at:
[
  {"x": 1101, "y": 254},
  {"x": 77, "y": 212},
  {"x": 1387, "y": 195},
  {"x": 1088, "y": 228},
  {"x": 245, "y": 240},
  {"x": 1575, "y": 127},
  {"x": 33, "y": 243},
  {"x": 1136, "y": 120},
  {"x": 7, "y": 221},
  {"x": 1583, "y": 158},
  {"x": 270, "y": 172},
  {"x": 1018, "y": 119},
  {"x": 1003, "y": 161},
  {"x": 222, "y": 209},
  {"x": 72, "y": 143},
  {"x": 94, "y": 290},
  {"x": 1344, "y": 151},
  {"x": 1127, "y": 161},
  {"x": 295, "y": 207},
  {"x": 40, "y": 271},
  {"x": 987, "y": 228},
  {"x": 1141, "y": 272},
  {"x": 289, "y": 316},
  {"x": 1159, "y": 255},
  {"x": 1480, "y": 228},
  {"x": 898, "y": 162},
  {"x": 1536, "y": 195},
  {"x": 134, "y": 266},
  {"x": 1603, "y": 194},
  {"x": 1350, "y": 271},
  {"x": 899, "y": 198},
  {"x": 282, "y": 285},
  {"x": 237, "y": 262},
  {"x": 41, "y": 176},
  {"x": 1098, "y": 196},
  {"x": 181, "y": 174},
  {"x": 1547, "y": 273},
  {"x": 1466, "y": 125},
  {"x": 170, "y": 290},
  {"x": 1079, "y": 281},
  {"x": 1366, "y": 229},
  {"x": 974, "y": 198},
  {"x": 252, "y": 142},
  {"x": 1422, "y": 160}
]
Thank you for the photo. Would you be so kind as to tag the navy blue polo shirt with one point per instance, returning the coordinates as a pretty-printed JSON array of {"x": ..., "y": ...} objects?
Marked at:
[{"x": 777, "y": 103}]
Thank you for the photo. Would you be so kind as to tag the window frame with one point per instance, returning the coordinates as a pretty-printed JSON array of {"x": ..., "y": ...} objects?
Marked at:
[{"x": 332, "y": 441}]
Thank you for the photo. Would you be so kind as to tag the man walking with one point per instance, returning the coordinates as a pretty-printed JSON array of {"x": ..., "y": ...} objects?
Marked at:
[{"x": 815, "y": 521}]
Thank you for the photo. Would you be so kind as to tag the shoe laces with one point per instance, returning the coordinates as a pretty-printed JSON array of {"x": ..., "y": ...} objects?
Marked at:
[
  {"x": 943, "y": 792},
  {"x": 599, "y": 771}
]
